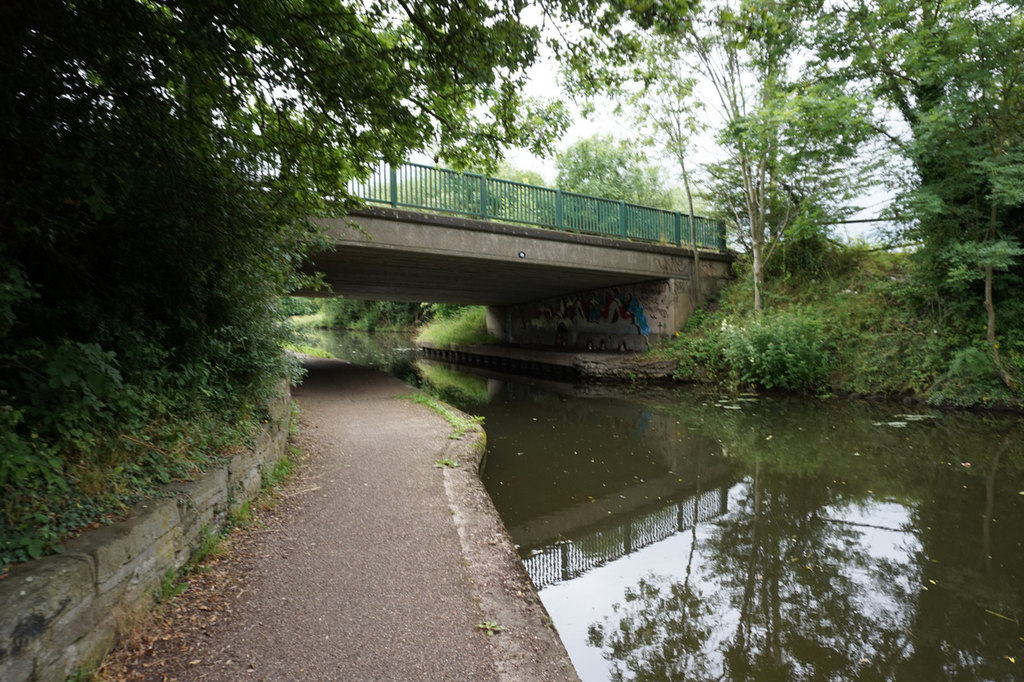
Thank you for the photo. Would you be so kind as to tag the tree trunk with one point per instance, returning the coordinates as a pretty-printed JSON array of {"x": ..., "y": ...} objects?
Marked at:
[
  {"x": 697, "y": 293},
  {"x": 990, "y": 308},
  {"x": 756, "y": 247}
]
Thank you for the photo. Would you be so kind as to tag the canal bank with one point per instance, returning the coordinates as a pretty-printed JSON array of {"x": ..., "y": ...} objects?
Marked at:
[
  {"x": 378, "y": 564},
  {"x": 589, "y": 366},
  {"x": 733, "y": 529}
]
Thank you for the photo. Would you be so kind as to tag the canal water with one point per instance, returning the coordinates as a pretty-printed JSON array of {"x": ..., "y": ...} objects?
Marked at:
[{"x": 682, "y": 534}]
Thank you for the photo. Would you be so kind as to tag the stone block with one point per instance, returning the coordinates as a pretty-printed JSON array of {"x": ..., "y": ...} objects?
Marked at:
[
  {"x": 83, "y": 653},
  {"x": 245, "y": 475},
  {"x": 115, "y": 547},
  {"x": 48, "y": 605},
  {"x": 202, "y": 503}
]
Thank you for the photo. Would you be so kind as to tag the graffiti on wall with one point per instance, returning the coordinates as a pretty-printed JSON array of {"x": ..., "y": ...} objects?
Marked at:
[{"x": 613, "y": 308}]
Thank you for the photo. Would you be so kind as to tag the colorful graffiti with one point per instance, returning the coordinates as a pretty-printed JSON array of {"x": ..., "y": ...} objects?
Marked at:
[{"x": 615, "y": 307}]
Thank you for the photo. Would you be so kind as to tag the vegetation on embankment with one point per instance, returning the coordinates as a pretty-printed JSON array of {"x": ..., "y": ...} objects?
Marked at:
[
  {"x": 858, "y": 321},
  {"x": 363, "y": 316},
  {"x": 466, "y": 326},
  {"x": 838, "y": 319}
]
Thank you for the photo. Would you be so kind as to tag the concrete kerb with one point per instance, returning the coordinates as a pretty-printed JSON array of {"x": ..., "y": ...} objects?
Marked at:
[{"x": 528, "y": 647}]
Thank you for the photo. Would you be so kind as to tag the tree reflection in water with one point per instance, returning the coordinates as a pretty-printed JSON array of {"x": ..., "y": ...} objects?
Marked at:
[
  {"x": 853, "y": 541},
  {"x": 801, "y": 581}
]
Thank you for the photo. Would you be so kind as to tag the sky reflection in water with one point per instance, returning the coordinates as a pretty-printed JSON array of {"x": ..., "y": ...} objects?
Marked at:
[{"x": 844, "y": 540}]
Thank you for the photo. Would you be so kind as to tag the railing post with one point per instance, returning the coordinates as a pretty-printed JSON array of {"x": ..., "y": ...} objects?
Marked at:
[
  {"x": 678, "y": 228},
  {"x": 558, "y": 209},
  {"x": 393, "y": 188},
  {"x": 622, "y": 219},
  {"x": 483, "y": 197}
]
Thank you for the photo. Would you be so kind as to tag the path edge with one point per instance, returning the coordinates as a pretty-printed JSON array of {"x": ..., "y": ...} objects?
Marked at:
[{"x": 528, "y": 648}]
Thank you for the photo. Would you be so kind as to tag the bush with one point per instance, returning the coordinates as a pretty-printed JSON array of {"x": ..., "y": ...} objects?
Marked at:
[
  {"x": 782, "y": 349},
  {"x": 296, "y": 305},
  {"x": 699, "y": 358},
  {"x": 971, "y": 379},
  {"x": 369, "y": 316}
]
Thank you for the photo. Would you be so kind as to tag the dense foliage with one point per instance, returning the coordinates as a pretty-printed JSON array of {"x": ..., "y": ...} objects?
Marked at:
[
  {"x": 861, "y": 324},
  {"x": 368, "y": 316},
  {"x": 953, "y": 71},
  {"x": 161, "y": 163}
]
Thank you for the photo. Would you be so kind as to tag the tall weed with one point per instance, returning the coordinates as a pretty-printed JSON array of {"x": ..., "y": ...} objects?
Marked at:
[{"x": 468, "y": 326}]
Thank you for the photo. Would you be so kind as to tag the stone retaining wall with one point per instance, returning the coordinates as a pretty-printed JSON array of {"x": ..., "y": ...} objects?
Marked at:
[{"x": 60, "y": 613}]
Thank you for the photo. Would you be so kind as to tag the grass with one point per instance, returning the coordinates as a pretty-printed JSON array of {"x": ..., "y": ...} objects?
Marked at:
[
  {"x": 281, "y": 471},
  {"x": 460, "y": 424},
  {"x": 881, "y": 331},
  {"x": 307, "y": 349},
  {"x": 302, "y": 323},
  {"x": 465, "y": 328}
]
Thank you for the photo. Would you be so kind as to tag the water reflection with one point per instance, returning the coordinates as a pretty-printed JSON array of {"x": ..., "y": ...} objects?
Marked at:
[
  {"x": 837, "y": 540},
  {"x": 393, "y": 352},
  {"x": 582, "y": 551}
]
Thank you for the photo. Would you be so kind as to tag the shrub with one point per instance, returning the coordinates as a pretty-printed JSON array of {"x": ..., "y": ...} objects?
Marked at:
[
  {"x": 700, "y": 358},
  {"x": 368, "y": 316},
  {"x": 784, "y": 349},
  {"x": 971, "y": 379},
  {"x": 296, "y": 305}
]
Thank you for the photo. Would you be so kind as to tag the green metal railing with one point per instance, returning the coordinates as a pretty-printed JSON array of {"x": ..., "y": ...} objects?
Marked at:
[{"x": 439, "y": 189}]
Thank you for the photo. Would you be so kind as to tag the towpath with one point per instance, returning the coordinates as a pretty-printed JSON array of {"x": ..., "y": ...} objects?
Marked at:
[{"x": 379, "y": 566}]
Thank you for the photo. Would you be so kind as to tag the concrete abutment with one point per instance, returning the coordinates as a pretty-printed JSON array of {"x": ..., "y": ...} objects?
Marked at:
[{"x": 630, "y": 317}]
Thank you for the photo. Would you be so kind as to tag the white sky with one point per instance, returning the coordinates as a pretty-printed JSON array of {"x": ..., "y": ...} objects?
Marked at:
[
  {"x": 545, "y": 83},
  {"x": 544, "y": 80}
]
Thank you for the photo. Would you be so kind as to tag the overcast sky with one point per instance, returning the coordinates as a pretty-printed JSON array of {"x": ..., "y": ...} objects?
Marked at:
[{"x": 544, "y": 83}]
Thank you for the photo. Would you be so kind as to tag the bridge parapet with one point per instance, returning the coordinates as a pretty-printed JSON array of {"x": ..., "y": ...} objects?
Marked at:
[{"x": 419, "y": 187}]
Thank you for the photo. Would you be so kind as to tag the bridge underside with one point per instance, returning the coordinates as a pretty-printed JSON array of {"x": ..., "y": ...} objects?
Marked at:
[
  {"x": 543, "y": 287},
  {"x": 396, "y": 255},
  {"x": 384, "y": 274}
]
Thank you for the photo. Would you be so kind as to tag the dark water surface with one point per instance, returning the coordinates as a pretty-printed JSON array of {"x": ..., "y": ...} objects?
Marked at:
[{"x": 686, "y": 535}]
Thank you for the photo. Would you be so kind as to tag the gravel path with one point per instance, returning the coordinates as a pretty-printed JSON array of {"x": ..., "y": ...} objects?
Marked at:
[{"x": 378, "y": 565}]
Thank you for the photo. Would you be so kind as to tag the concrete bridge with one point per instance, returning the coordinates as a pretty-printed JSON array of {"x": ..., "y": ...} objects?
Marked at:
[
  {"x": 555, "y": 268},
  {"x": 542, "y": 286}
]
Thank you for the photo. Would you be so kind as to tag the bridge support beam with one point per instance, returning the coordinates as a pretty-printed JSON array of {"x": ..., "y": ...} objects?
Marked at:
[{"x": 630, "y": 317}]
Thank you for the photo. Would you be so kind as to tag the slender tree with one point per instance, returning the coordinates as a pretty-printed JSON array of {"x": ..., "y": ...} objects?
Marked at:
[
  {"x": 665, "y": 106},
  {"x": 789, "y": 140}
]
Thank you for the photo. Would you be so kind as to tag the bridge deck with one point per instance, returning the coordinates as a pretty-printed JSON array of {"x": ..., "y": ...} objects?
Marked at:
[{"x": 401, "y": 255}]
